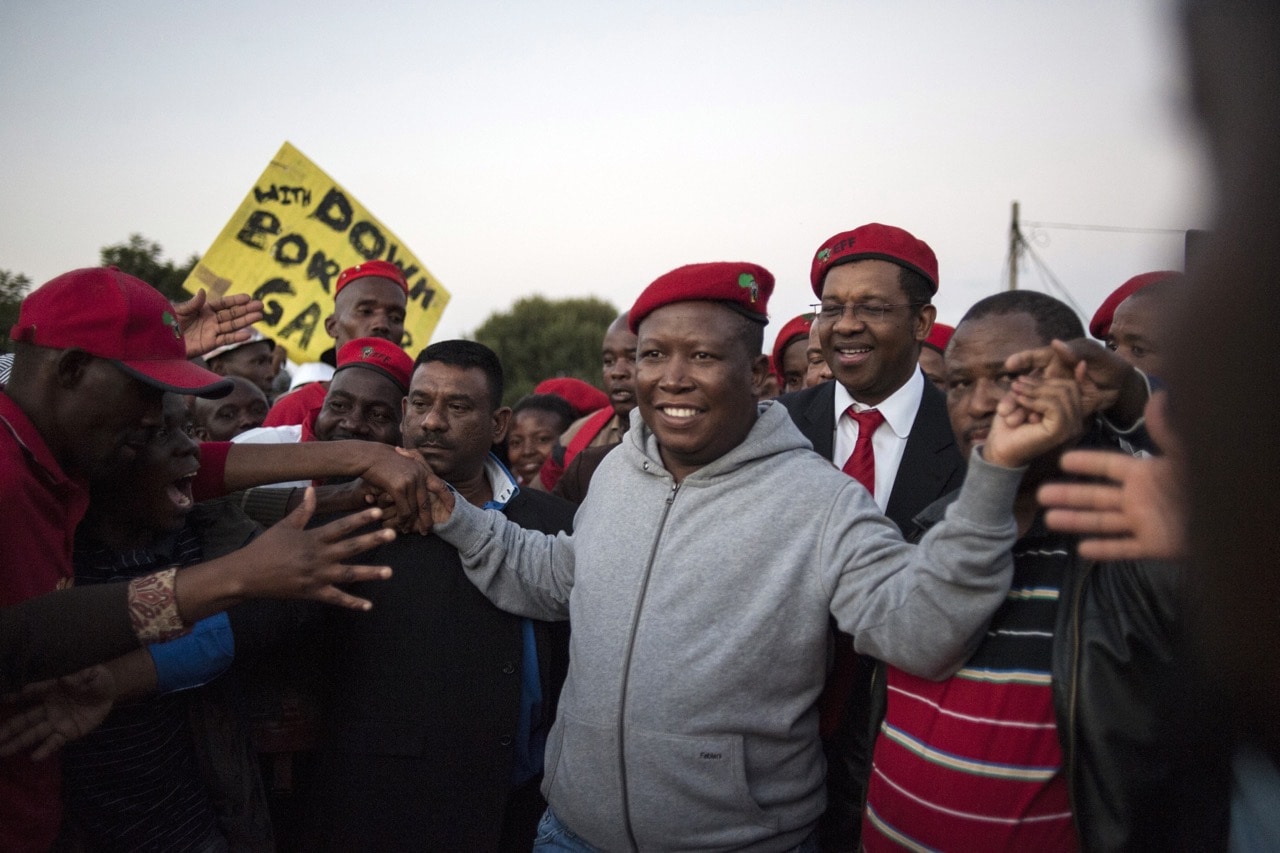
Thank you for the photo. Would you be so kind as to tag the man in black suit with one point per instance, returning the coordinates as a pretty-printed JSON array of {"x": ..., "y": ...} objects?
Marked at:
[
  {"x": 440, "y": 703},
  {"x": 875, "y": 284}
]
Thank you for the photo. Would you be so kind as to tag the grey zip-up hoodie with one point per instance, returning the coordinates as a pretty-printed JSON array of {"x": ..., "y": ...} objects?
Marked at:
[{"x": 700, "y": 614}]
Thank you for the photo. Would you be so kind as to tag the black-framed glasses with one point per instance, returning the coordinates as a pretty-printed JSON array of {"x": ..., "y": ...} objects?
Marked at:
[{"x": 867, "y": 312}]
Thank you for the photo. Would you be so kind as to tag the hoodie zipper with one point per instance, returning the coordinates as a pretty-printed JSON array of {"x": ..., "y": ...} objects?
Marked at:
[{"x": 626, "y": 665}]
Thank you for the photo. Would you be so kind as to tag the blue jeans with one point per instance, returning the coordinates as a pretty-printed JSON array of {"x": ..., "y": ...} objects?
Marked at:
[{"x": 554, "y": 837}]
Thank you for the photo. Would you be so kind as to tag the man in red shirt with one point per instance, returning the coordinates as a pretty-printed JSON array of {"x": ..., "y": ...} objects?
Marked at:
[{"x": 95, "y": 350}]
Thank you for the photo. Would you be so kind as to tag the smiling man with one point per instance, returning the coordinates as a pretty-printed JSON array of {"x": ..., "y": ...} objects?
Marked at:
[
  {"x": 882, "y": 423},
  {"x": 700, "y": 602}
]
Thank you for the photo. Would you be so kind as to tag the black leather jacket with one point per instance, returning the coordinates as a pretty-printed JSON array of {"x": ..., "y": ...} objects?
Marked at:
[{"x": 1144, "y": 747}]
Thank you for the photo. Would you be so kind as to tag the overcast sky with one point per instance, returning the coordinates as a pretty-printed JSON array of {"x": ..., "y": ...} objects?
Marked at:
[{"x": 584, "y": 148}]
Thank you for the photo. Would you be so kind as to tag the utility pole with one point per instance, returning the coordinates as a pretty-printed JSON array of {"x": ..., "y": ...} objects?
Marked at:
[{"x": 1015, "y": 248}]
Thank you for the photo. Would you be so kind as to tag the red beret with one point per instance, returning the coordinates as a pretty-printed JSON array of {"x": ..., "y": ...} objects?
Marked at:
[
  {"x": 796, "y": 327},
  {"x": 939, "y": 336},
  {"x": 882, "y": 242},
  {"x": 380, "y": 269},
  {"x": 582, "y": 396},
  {"x": 742, "y": 286},
  {"x": 1100, "y": 325},
  {"x": 380, "y": 355}
]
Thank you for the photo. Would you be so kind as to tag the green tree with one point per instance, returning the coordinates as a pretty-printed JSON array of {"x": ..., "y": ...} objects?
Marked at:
[
  {"x": 144, "y": 258},
  {"x": 13, "y": 286},
  {"x": 540, "y": 338}
]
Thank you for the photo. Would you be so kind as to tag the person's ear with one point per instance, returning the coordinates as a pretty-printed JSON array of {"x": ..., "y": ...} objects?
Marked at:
[
  {"x": 71, "y": 366},
  {"x": 924, "y": 321},
  {"x": 501, "y": 423},
  {"x": 759, "y": 373}
]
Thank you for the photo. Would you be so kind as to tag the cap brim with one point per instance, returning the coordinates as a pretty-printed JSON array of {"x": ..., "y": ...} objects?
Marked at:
[{"x": 179, "y": 376}]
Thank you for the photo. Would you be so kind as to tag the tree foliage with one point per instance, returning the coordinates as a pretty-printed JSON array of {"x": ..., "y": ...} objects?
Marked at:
[
  {"x": 143, "y": 258},
  {"x": 540, "y": 338},
  {"x": 13, "y": 286}
]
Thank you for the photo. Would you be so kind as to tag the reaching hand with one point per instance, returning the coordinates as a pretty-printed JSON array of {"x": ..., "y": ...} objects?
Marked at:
[
  {"x": 49, "y": 714},
  {"x": 401, "y": 476},
  {"x": 289, "y": 561},
  {"x": 1038, "y": 414},
  {"x": 441, "y": 497},
  {"x": 210, "y": 323},
  {"x": 1108, "y": 384},
  {"x": 1139, "y": 513}
]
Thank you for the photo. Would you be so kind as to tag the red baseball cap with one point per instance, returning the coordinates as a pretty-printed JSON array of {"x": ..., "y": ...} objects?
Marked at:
[
  {"x": 114, "y": 316},
  {"x": 380, "y": 355},
  {"x": 1100, "y": 325},
  {"x": 368, "y": 269},
  {"x": 742, "y": 286},
  {"x": 939, "y": 336},
  {"x": 583, "y": 397},
  {"x": 881, "y": 242}
]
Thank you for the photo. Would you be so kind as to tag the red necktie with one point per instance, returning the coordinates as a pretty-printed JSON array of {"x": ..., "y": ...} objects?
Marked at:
[
  {"x": 834, "y": 701},
  {"x": 861, "y": 464}
]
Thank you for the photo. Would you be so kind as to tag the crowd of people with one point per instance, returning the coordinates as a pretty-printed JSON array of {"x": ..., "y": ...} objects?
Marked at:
[{"x": 897, "y": 584}]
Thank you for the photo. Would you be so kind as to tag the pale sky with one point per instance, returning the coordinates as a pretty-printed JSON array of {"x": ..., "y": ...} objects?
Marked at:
[{"x": 575, "y": 148}]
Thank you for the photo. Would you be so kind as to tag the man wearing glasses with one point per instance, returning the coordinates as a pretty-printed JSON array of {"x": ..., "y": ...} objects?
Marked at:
[{"x": 884, "y": 425}]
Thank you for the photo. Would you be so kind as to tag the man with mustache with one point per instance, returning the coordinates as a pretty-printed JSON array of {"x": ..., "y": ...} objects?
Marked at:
[{"x": 440, "y": 702}]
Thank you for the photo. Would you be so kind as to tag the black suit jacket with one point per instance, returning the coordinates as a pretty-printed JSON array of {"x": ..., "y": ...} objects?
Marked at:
[
  {"x": 931, "y": 464},
  {"x": 424, "y": 702},
  {"x": 931, "y": 467}
]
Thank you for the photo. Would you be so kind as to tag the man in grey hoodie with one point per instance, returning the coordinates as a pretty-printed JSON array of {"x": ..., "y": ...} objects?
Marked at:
[{"x": 699, "y": 597}]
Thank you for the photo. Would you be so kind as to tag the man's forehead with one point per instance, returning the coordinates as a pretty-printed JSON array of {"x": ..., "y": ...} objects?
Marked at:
[
  {"x": 618, "y": 338},
  {"x": 992, "y": 338},
  {"x": 695, "y": 317},
  {"x": 440, "y": 377},
  {"x": 365, "y": 384}
]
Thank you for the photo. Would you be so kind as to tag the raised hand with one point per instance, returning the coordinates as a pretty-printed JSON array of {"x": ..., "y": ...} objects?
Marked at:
[
  {"x": 210, "y": 323},
  {"x": 1138, "y": 513},
  {"x": 1108, "y": 384},
  {"x": 1039, "y": 414},
  {"x": 287, "y": 561}
]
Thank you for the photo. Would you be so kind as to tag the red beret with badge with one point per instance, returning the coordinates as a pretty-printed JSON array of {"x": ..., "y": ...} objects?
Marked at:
[
  {"x": 380, "y": 355},
  {"x": 743, "y": 287},
  {"x": 878, "y": 242}
]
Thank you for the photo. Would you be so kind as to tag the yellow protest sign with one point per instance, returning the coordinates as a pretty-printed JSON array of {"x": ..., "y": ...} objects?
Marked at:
[{"x": 296, "y": 230}]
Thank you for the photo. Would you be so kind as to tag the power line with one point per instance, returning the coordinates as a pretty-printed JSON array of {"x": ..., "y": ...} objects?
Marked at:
[
  {"x": 1047, "y": 275},
  {"x": 1120, "y": 229}
]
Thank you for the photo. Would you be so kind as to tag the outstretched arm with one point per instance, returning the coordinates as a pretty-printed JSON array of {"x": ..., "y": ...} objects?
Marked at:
[
  {"x": 925, "y": 608},
  {"x": 400, "y": 476}
]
